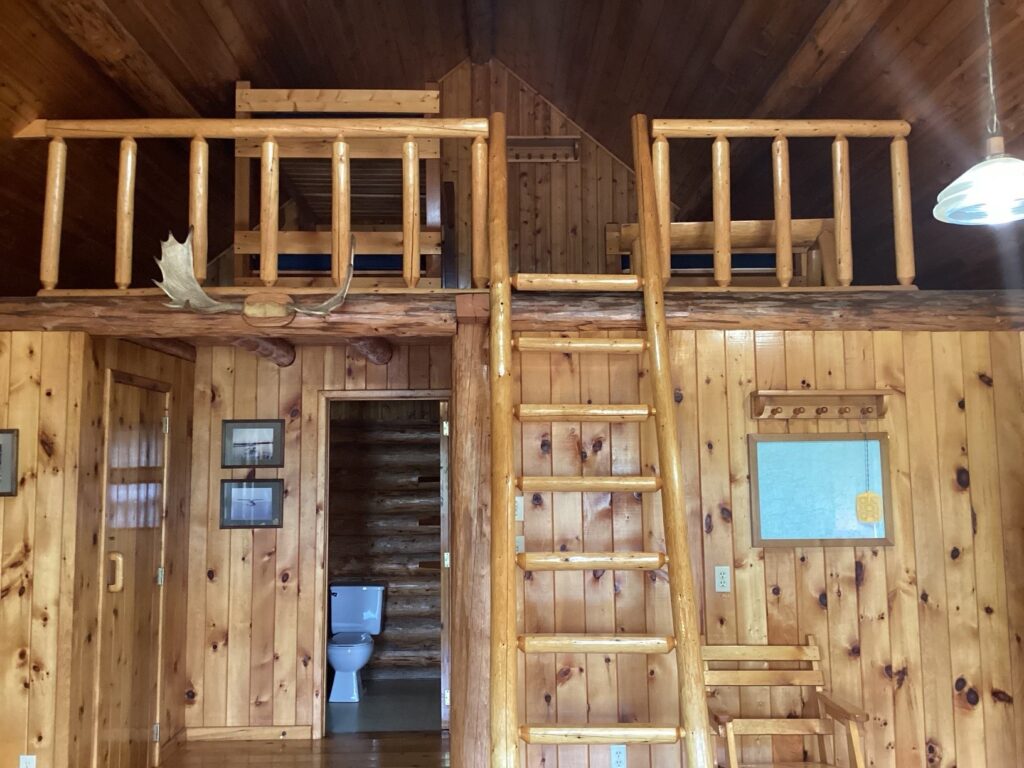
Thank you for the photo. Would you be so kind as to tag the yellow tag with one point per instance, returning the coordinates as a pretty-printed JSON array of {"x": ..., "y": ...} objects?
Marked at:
[{"x": 869, "y": 507}]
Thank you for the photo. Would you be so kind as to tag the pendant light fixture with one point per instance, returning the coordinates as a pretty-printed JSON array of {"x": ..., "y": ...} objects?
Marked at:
[{"x": 992, "y": 191}]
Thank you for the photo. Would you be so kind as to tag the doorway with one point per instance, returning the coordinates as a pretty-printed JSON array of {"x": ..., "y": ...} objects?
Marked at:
[
  {"x": 387, "y": 523},
  {"x": 130, "y": 610}
]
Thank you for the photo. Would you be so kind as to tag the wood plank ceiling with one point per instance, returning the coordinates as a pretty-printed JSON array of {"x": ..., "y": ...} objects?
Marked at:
[{"x": 598, "y": 61}]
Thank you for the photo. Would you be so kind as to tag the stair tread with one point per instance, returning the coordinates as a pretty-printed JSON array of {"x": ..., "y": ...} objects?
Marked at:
[
  {"x": 600, "y": 733},
  {"x": 586, "y": 561}
]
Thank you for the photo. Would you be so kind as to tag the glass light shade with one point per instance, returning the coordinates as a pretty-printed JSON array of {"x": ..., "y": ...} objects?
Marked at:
[{"x": 991, "y": 192}]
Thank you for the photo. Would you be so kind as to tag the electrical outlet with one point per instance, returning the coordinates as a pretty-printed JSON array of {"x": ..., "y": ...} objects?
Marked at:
[
  {"x": 618, "y": 755},
  {"x": 520, "y": 510},
  {"x": 722, "y": 580},
  {"x": 27, "y": 761}
]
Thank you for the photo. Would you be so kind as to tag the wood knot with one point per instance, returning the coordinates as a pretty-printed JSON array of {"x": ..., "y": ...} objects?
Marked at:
[
  {"x": 709, "y": 524},
  {"x": 960, "y": 684},
  {"x": 972, "y": 697},
  {"x": 963, "y": 478},
  {"x": 924, "y": 597},
  {"x": 858, "y": 573},
  {"x": 677, "y": 395},
  {"x": 954, "y": 553},
  {"x": 1001, "y": 696},
  {"x": 776, "y": 590},
  {"x": 545, "y": 444},
  {"x": 725, "y": 513},
  {"x": 823, "y": 599},
  {"x": 985, "y": 379}
]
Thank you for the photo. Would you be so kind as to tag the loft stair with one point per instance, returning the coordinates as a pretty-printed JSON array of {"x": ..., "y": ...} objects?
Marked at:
[{"x": 507, "y": 640}]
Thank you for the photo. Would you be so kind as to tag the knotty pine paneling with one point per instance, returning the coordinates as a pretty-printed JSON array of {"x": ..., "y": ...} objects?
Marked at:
[
  {"x": 557, "y": 211},
  {"x": 51, "y": 390},
  {"x": 255, "y": 625},
  {"x": 923, "y": 634}
]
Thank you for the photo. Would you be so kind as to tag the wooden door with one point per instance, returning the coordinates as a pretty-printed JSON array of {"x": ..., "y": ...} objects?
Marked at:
[{"x": 130, "y": 605}]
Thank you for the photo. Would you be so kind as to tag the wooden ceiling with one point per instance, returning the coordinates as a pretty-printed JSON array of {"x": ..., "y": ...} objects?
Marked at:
[{"x": 598, "y": 61}]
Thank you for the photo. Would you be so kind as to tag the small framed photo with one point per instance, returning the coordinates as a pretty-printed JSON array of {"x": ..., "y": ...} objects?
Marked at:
[
  {"x": 257, "y": 443},
  {"x": 251, "y": 503},
  {"x": 8, "y": 462},
  {"x": 825, "y": 490}
]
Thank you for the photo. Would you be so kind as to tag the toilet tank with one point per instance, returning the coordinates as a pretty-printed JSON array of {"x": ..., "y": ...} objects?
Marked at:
[{"x": 356, "y": 608}]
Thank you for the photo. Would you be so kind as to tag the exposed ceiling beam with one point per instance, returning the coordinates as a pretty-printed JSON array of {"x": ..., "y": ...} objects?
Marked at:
[
  {"x": 836, "y": 34},
  {"x": 375, "y": 349},
  {"x": 281, "y": 352},
  {"x": 94, "y": 28},
  {"x": 480, "y": 30}
]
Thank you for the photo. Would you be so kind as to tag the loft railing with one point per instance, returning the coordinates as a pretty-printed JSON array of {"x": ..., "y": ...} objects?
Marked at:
[
  {"x": 783, "y": 233},
  {"x": 269, "y": 132}
]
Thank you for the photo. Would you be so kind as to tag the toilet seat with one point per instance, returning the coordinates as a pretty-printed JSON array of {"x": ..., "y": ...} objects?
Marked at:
[{"x": 350, "y": 639}]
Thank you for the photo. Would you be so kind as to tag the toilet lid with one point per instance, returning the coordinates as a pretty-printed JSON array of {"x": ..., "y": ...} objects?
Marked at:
[{"x": 351, "y": 638}]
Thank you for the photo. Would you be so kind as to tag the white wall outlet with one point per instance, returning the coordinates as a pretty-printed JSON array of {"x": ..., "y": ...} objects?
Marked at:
[
  {"x": 27, "y": 761},
  {"x": 618, "y": 755},
  {"x": 723, "y": 580},
  {"x": 520, "y": 509}
]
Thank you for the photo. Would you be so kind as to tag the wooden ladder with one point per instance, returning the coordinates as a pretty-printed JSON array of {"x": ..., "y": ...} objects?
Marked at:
[{"x": 506, "y": 642}]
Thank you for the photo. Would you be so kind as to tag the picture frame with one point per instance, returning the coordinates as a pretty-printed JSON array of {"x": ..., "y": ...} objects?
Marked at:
[
  {"x": 252, "y": 443},
  {"x": 251, "y": 503},
  {"x": 8, "y": 462},
  {"x": 820, "y": 489}
]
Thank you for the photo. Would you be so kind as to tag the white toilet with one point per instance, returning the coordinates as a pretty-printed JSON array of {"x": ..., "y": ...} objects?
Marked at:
[{"x": 355, "y": 617}]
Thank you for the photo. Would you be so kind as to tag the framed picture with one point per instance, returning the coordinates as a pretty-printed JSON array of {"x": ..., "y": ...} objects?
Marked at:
[
  {"x": 251, "y": 503},
  {"x": 8, "y": 462},
  {"x": 820, "y": 490},
  {"x": 257, "y": 443}
]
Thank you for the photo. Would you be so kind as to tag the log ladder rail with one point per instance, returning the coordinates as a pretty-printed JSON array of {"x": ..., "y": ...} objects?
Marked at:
[{"x": 506, "y": 731}]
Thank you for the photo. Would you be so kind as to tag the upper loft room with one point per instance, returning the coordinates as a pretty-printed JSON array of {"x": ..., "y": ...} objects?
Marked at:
[{"x": 568, "y": 76}]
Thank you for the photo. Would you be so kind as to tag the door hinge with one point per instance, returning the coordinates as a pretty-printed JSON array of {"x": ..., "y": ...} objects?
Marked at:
[
  {"x": 447, "y": 559},
  {"x": 445, "y": 429},
  {"x": 447, "y": 697},
  {"x": 166, "y": 422},
  {"x": 156, "y": 733},
  {"x": 160, "y": 576}
]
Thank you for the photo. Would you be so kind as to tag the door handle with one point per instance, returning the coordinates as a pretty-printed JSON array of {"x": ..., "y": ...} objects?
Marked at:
[{"x": 117, "y": 585}]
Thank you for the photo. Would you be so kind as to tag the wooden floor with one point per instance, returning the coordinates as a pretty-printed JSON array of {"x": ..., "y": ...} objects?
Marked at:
[{"x": 386, "y": 750}]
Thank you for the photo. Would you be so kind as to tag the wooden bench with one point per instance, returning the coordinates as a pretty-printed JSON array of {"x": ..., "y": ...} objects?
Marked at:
[{"x": 763, "y": 667}]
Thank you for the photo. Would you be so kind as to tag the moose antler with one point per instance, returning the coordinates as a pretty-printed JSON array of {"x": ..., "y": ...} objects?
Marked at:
[
  {"x": 326, "y": 307},
  {"x": 180, "y": 282}
]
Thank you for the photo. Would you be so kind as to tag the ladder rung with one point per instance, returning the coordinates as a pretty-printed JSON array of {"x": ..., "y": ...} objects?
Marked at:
[
  {"x": 582, "y": 412},
  {"x": 611, "y": 483},
  {"x": 542, "y": 282},
  {"x": 619, "y": 733},
  {"x": 571, "y": 345},
  {"x": 596, "y": 643},
  {"x": 591, "y": 561}
]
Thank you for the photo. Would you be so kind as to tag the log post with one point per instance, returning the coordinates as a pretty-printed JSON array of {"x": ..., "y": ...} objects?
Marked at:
[
  {"x": 341, "y": 212},
  {"x": 720, "y": 191},
  {"x": 198, "y": 204},
  {"x": 903, "y": 227},
  {"x": 504, "y": 707},
  {"x": 783, "y": 211},
  {"x": 53, "y": 213},
  {"x": 663, "y": 195},
  {"x": 125, "y": 214},
  {"x": 480, "y": 259},
  {"x": 411, "y": 212},
  {"x": 841, "y": 209},
  {"x": 269, "y": 177}
]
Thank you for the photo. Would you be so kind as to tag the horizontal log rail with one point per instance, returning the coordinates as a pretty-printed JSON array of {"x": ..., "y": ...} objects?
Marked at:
[
  {"x": 268, "y": 135},
  {"x": 832, "y": 244}
]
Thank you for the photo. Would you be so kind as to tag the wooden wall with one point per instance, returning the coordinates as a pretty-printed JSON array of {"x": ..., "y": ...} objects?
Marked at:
[
  {"x": 557, "y": 211},
  {"x": 384, "y": 524},
  {"x": 51, "y": 390},
  {"x": 925, "y": 634},
  {"x": 255, "y": 622}
]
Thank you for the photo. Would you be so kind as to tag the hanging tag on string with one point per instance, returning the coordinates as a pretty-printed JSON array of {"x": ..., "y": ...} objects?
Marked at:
[{"x": 869, "y": 507}]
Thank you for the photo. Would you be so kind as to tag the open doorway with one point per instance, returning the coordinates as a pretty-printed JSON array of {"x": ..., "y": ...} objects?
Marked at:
[{"x": 387, "y": 566}]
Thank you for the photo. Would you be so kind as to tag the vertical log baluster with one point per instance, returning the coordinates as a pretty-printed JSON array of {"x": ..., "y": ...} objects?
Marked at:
[
  {"x": 269, "y": 177},
  {"x": 783, "y": 211},
  {"x": 841, "y": 209},
  {"x": 125, "y": 213},
  {"x": 903, "y": 227},
  {"x": 411, "y": 212},
  {"x": 663, "y": 195},
  {"x": 198, "y": 204},
  {"x": 341, "y": 212},
  {"x": 53, "y": 213},
  {"x": 720, "y": 190},
  {"x": 480, "y": 258}
]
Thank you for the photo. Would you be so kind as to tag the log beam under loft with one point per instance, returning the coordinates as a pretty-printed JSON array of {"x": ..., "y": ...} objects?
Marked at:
[
  {"x": 280, "y": 352},
  {"x": 436, "y": 315}
]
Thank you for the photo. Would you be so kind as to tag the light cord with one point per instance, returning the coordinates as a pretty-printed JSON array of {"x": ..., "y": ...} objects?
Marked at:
[{"x": 993, "y": 122}]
